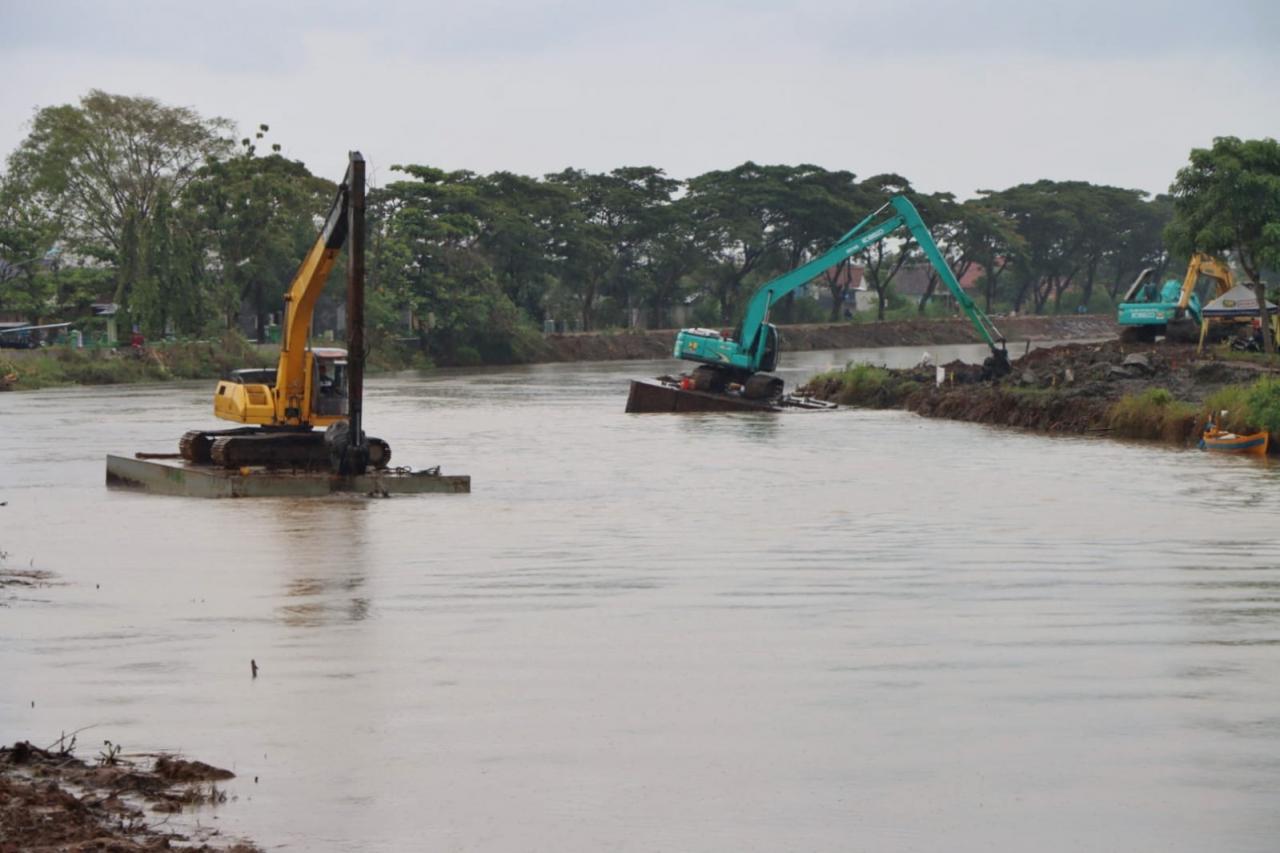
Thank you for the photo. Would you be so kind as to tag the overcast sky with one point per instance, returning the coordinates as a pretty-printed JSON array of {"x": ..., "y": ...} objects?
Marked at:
[{"x": 954, "y": 95}]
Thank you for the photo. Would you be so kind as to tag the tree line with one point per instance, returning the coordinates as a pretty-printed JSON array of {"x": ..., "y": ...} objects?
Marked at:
[{"x": 164, "y": 212}]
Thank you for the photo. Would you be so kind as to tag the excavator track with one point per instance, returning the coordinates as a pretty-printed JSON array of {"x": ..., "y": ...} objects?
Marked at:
[
  {"x": 762, "y": 386},
  {"x": 285, "y": 450},
  {"x": 196, "y": 445}
]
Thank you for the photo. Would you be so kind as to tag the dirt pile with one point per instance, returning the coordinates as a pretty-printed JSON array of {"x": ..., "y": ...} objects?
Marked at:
[
  {"x": 1153, "y": 390},
  {"x": 51, "y": 800}
]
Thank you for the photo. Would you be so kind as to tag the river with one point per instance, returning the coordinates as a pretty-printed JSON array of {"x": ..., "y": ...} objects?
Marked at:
[{"x": 813, "y": 632}]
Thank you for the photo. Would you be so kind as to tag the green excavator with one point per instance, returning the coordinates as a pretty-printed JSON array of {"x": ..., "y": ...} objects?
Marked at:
[{"x": 746, "y": 358}]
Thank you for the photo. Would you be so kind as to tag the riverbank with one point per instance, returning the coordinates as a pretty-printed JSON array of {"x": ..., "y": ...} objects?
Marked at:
[
  {"x": 26, "y": 370},
  {"x": 657, "y": 343},
  {"x": 1161, "y": 392}
]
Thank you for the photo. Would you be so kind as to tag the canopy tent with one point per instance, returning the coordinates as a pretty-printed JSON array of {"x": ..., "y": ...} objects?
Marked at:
[
  {"x": 1239, "y": 304},
  {"x": 1239, "y": 301}
]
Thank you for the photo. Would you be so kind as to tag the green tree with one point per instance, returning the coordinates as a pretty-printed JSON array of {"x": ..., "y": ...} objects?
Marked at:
[
  {"x": 605, "y": 243},
  {"x": 28, "y": 260},
  {"x": 672, "y": 255},
  {"x": 991, "y": 240},
  {"x": 170, "y": 293},
  {"x": 737, "y": 217},
  {"x": 427, "y": 234},
  {"x": 943, "y": 216},
  {"x": 882, "y": 260},
  {"x": 258, "y": 215},
  {"x": 816, "y": 208},
  {"x": 105, "y": 164},
  {"x": 1228, "y": 200},
  {"x": 520, "y": 222},
  {"x": 1139, "y": 242},
  {"x": 1106, "y": 216}
]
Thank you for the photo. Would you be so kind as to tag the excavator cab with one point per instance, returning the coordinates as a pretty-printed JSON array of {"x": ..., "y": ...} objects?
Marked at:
[
  {"x": 769, "y": 355},
  {"x": 329, "y": 379}
]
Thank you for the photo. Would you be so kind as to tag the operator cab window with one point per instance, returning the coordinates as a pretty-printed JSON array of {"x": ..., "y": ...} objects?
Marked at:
[{"x": 330, "y": 383}]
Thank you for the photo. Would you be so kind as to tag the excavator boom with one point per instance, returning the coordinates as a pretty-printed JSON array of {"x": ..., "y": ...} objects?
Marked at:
[{"x": 755, "y": 349}]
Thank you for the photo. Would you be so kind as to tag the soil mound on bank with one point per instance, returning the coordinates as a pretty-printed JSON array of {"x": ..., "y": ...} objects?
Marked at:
[{"x": 1161, "y": 390}]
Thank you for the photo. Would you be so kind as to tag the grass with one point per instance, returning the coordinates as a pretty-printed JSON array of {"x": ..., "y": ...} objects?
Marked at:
[
  {"x": 56, "y": 366},
  {"x": 867, "y": 385},
  {"x": 1232, "y": 400},
  {"x": 1249, "y": 408},
  {"x": 1153, "y": 414}
]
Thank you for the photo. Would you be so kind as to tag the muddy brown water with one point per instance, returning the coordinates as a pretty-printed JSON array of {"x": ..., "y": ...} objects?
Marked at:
[{"x": 819, "y": 632}]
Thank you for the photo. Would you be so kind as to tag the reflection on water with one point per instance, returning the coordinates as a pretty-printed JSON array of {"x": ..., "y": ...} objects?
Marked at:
[{"x": 855, "y": 630}]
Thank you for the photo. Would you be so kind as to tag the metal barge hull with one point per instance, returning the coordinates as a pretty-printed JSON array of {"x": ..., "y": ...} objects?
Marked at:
[
  {"x": 198, "y": 481},
  {"x": 655, "y": 395}
]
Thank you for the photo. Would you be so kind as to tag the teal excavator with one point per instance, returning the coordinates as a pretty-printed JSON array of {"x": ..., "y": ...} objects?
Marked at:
[{"x": 747, "y": 358}]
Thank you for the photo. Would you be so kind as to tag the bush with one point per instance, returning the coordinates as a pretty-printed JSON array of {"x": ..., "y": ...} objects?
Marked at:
[
  {"x": 863, "y": 384},
  {"x": 1263, "y": 403},
  {"x": 1153, "y": 414}
]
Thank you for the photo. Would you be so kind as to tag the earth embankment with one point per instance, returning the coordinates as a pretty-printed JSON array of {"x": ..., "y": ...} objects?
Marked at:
[
  {"x": 656, "y": 343},
  {"x": 1163, "y": 391}
]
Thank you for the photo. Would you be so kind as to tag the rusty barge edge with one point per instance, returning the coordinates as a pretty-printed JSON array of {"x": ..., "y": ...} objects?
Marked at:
[
  {"x": 184, "y": 480},
  {"x": 655, "y": 395}
]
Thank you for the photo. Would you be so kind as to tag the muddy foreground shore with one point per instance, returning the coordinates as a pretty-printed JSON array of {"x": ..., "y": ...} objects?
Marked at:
[{"x": 50, "y": 799}]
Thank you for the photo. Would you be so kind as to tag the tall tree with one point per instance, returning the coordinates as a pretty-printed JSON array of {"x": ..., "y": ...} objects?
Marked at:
[
  {"x": 883, "y": 259},
  {"x": 1049, "y": 219},
  {"x": 427, "y": 232},
  {"x": 1139, "y": 242},
  {"x": 943, "y": 216},
  {"x": 817, "y": 206},
  {"x": 259, "y": 215},
  {"x": 671, "y": 256},
  {"x": 991, "y": 240},
  {"x": 106, "y": 163},
  {"x": 616, "y": 214},
  {"x": 520, "y": 221},
  {"x": 1228, "y": 200},
  {"x": 738, "y": 217},
  {"x": 170, "y": 293},
  {"x": 29, "y": 232}
]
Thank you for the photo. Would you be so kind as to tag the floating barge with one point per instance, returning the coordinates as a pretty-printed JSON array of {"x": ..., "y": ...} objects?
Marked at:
[
  {"x": 182, "y": 479},
  {"x": 663, "y": 395}
]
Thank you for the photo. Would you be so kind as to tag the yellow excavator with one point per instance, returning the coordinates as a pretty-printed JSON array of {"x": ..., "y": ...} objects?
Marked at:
[
  {"x": 310, "y": 386},
  {"x": 1173, "y": 309}
]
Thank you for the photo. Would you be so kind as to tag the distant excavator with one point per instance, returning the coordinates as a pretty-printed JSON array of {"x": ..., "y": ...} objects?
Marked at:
[
  {"x": 746, "y": 358},
  {"x": 1173, "y": 309},
  {"x": 309, "y": 386}
]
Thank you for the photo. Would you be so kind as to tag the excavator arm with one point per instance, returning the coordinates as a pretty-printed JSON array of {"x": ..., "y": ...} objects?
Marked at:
[
  {"x": 1209, "y": 267},
  {"x": 749, "y": 353},
  {"x": 299, "y": 306}
]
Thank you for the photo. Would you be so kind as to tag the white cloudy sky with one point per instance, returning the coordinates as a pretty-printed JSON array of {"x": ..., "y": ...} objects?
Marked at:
[{"x": 954, "y": 94}]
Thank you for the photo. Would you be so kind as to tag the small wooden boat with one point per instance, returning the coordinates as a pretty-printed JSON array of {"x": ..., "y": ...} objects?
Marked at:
[{"x": 1254, "y": 444}]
